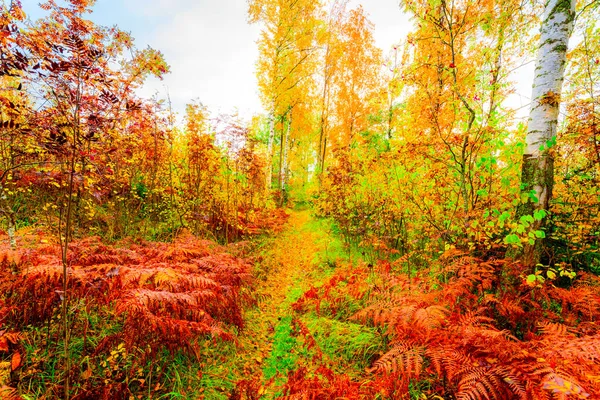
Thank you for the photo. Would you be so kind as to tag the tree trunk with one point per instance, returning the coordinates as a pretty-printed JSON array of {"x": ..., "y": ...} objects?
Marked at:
[
  {"x": 285, "y": 162},
  {"x": 537, "y": 176},
  {"x": 322, "y": 126},
  {"x": 10, "y": 218},
  {"x": 270, "y": 153}
]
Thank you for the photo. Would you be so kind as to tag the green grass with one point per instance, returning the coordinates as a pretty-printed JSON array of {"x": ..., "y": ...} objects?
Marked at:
[
  {"x": 346, "y": 345},
  {"x": 284, "y": 356},
  {"x": 335, "y": 250}
]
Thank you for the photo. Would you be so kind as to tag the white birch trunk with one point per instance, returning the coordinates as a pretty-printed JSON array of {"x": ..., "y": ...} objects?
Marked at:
[
  {"x": 11, "y": 236},
  {"x": 284, "y": 167},
  {"x": 269, "y": 176},
  {"x": 538, "y": 164},
  {"x": 549, "y": 74}
]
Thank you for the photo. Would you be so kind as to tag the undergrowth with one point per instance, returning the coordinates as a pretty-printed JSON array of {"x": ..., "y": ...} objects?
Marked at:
[
  {"x": 157, "y": 320},
  {"x": 465, "y": 328},
  {"x": 138, "y": 312}
]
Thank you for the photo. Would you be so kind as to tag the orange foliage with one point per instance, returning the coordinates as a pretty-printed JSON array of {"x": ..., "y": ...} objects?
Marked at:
[
  {"x": 167, "y": 295},
  {"x": 474, "y": 330}
]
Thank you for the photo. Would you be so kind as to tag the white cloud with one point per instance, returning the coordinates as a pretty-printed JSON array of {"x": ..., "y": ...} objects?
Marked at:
[{"x": 211, "y": 49}]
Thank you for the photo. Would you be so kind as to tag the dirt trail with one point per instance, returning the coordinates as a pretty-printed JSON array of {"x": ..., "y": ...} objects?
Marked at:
[
  {"x": 288, "y": 268},
  {"x": 289, "y": 261}
]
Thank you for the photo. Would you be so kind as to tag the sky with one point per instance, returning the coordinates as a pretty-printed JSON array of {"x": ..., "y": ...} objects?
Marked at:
[
  {"x": 212, "y": 49},
  {"x": 210, "y": 46}
]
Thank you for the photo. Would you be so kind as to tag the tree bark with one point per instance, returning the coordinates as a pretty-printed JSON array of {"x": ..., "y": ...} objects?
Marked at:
[
  {"x": 284, "y": 165},
  {"x": 269, "y": 176},
  {"x": 537, "y": 176}
]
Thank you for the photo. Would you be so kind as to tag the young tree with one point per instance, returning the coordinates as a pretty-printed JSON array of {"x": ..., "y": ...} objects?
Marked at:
[
  {"x": 65, "y": 66},
  {"x": 330, "y": 40},
  {"x": 452, "y": 125},
  {"x": 357, "y": 78}
]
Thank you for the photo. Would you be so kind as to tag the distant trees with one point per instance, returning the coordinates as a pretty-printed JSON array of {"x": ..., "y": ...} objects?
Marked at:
[
  {"x": 286, "y": 63},
  {"x": 81, "y": 152},
  {"x": 431, "y": 146}
]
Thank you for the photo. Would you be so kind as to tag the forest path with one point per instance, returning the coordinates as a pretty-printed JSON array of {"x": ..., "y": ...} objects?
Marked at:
[{"x": 290, "y": 263}]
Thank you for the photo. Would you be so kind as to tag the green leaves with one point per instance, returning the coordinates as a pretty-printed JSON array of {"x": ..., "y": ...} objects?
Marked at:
[
  {"x": 522, "y": 231},
  {"x": 531, "y": 279},
  {"x": 548, "y": 144},
  {"x": 538, "y": 215},
  {"x": 512, "y": 239},
  {"x": 544, "y": 273}
]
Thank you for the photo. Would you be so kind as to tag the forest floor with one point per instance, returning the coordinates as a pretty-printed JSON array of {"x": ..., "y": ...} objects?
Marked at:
[
  {"x": 268, "y": 348},
  {"x": 301, "y": 292}
]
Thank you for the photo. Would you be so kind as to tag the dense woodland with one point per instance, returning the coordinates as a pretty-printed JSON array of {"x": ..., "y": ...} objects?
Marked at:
[{"x": 387, "y": 229}]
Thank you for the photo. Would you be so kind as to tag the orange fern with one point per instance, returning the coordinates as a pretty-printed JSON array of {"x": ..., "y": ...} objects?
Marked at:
[{"x": 168, "y": 294}]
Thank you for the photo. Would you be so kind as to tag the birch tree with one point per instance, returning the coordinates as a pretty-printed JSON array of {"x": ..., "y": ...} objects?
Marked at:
[
  {"x": 286, "y": 62},
  {"x": 537, "y": 175}
]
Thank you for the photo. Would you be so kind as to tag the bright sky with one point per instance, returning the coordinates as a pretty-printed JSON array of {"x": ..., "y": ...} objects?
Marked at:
[{"x": 210, "y": 46}]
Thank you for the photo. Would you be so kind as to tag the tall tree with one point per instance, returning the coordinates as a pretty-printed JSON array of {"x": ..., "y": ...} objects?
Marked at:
[
  {"x": 286, "y": 62},
  {"x": 357, "y": 79},
  {"x": 537, "y": 176},
  {"x": 461, "y": 53},
  {"x": 332, "y": 51}
]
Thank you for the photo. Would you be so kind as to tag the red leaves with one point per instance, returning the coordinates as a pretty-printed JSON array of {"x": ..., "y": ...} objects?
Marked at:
[
  {"x": 351, "y": 279},
  {"x": 169, "y": 294},
  {"x": 7, "y": 393},
  {"x": 473, "y": 331},
  {"x": 109, "y": 97},
  {"x": 9, "y": 124},
  {"x": 483, "y": 310},
  {"x": 324, "y": 385},
  {"x": 15, "y": 361},
  {"x": 9, "y": 343}
]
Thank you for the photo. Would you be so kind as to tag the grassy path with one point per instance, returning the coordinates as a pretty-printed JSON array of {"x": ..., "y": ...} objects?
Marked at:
[
  {"x": 290, "y": 266},
  {"x": 291, "y": 262}
]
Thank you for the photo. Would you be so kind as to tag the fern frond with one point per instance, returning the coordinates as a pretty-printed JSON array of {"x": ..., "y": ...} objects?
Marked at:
[
  {"x": 490, "y": 383},
  {"x": 513, "y": 380},
  {"x": 404, "y": 358},
  {"x": 581, "y": 300},
  {"x": 472, "y": 318},
  {"x": 8, "y": 393},
  {"x": 169, "y": 294},
  {"x": 555, "y": 329},
  {"x": 431, "y": 317},
  {"x": 507, "y": 306},
  {"x": 449, "y": 361},
  {"x": 160, "y": 300}
]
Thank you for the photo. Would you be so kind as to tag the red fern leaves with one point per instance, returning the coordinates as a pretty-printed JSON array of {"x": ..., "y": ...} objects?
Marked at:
[
  {"x": 173, "y": 319},
  {"x": 323, "y": 385},
  {"x": 8, "y": 393},
  {"x": 404, "y": 357},
  {"x": 485, "y": 335},
  {"x": 168, "y": 294}
]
